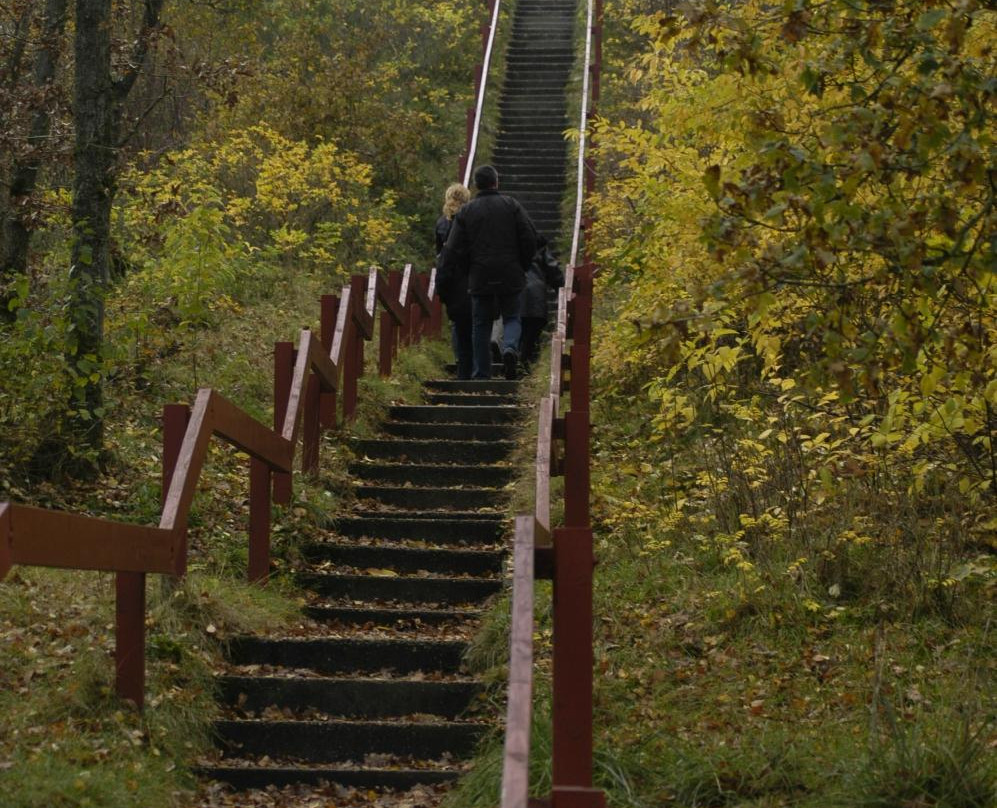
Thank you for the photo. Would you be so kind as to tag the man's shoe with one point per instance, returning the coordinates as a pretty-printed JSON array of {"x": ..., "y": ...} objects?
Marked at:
[{"x": 509, "y": 363}]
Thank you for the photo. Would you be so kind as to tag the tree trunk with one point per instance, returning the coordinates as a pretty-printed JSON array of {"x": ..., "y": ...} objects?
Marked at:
[
  {"x": 24, "y": 175},
  {"x": 93, "y": 193}
]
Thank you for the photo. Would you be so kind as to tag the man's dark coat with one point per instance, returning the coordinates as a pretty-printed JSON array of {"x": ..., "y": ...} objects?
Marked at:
[{"x": 492, "y": 240}]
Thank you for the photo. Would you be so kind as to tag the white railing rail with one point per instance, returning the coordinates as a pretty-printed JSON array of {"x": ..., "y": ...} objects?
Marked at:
[
  {"x": 473, "y": 145},
  {"x": 582, "y": 137}
]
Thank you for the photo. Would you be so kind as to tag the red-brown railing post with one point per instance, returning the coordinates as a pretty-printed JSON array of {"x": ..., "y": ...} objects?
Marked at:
[
  {"x": 259, "y": 519},
  {"x": 327, "y": 329},
  {"x": 581, "y": 330},
  {"x": 395, "y": 290},
  {"x": 175, "y": 420},
  {"x": 573, "y": 657},
  {"x": 129, "y": 642},
  {"x": 387, "y": 325},
  {"x": 352, "y": 358},
  {"x": 311, "y": 433},
  {"x": 358, "y": 283},
  {"x": 283, "y": 374},
  {"x": 6, "y": 540}
]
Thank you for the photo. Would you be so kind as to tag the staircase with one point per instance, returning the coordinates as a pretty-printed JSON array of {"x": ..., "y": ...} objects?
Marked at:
[
  {"x": 530, "y": 152},
  {"x": 370, "y": 693}
]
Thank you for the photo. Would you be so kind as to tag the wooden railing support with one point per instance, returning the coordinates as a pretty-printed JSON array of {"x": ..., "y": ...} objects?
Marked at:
[
  {"x": 329, "y": 307},
  {"x": 572, "y": 657},
  {"x": 175, "y": 420},
  {"x": 6, "y": 540},
  {"x": 260, "y": 476},
  {"x": 129, "y": 643},
  {"x": 283, "y": 372}
]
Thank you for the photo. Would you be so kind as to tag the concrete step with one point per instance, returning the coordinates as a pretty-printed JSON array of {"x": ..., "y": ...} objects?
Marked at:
[
  {"x": 470, "y": 400},
  {"x": 244, "y": 778},
  {"x": 439, "y": 531},
  {"x": 451, "y": 432},
  {"x": 463, "y": 452},
  {"x": 333, "y": 655},
  {"x": 489, "y": 387},
  {"x": 438, "y": 499},
  {"x": 458, "y": 415},
  {"x": 433, "y": 476},
  {"x": 349, "y": 697},
  {"x": 402, "y": 589},
  {"x": 407, "y": 559},
  {"x": 391, "y": 617},
  {"x": 338, "y": 741}
]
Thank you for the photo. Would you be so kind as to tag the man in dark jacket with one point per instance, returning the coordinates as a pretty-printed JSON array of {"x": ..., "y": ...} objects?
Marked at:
[{"x": 493, "y": 239}]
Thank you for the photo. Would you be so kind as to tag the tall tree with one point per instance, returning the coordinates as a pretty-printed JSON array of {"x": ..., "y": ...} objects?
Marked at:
[
  {"x": 24, "y": 174},
  {"x": 99, "y": 96}
]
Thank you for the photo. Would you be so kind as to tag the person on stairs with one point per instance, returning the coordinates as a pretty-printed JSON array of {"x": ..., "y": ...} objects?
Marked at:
[
  {"x": 494, "y": 238},
  {"x": 453, "y": 288},
  {"x": 544, "y": 273}
]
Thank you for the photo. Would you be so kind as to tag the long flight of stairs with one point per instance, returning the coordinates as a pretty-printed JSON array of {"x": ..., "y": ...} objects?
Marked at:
[
  {"x": 530, "y": 151},
  {"x": 370, "y": 692}
]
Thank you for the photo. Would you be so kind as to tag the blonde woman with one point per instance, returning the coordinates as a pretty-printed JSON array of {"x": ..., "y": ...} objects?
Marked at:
[{"x": 453, "y": 286}]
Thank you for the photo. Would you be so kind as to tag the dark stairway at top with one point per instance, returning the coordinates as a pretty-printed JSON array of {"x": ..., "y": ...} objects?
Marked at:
[{"x": 530, "y": 151}]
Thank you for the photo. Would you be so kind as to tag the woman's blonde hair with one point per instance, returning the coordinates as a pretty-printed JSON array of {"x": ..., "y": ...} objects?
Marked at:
[{"x": 455, "y": 196}]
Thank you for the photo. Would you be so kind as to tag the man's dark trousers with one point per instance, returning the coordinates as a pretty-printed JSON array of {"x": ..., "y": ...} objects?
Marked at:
[{"x": 482, "y": 315}]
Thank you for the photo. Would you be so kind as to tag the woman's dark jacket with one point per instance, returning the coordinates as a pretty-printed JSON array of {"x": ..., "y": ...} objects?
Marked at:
[
  {"x": 544, "y": 272},
  {"x": 452, "y": 289},
  {"x": 492, "y": 241},
  {"x": 442, "y": 231}
]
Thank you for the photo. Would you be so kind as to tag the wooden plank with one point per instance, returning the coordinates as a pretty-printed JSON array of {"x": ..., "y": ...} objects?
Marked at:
[
  {"x": 544, "y": 438},
  {"x": 6, "y": 539},
  {"x": 364, "y": 320},
  {"x": 189, "y": 463},
  {"x": 322, "y": 366},
  {"x": 561, "y": 329},
  {"x": 373, "y": 281},
  {"x": 421, "y": 298},
  {"x": 389, "y": 301},
  {"x": 431, "y": 289},
  {"x": 44, "y": 538},
  {"x": 244, "y": 432},
  {"x": 404, "y": 294},
  {"x": 337, "y": 352},
  {"x": 295, "y": 398},
  {"x": 556, "y": 363},
  {"x": 519, "y": 711}
]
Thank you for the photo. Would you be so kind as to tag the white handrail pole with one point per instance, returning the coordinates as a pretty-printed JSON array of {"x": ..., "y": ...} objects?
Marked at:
[
  {"x": 469, "y": 166},
  {"x": 582, "y": 129}
]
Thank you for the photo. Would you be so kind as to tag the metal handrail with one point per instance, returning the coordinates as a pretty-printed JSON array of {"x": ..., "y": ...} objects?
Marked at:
[
  {"x": 582, "y": 132},
  {"x": 473, "y": 145}
]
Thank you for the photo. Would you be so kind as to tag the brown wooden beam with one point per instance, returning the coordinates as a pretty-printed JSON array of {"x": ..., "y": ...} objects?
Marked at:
[{"x": 43, "y": 538}]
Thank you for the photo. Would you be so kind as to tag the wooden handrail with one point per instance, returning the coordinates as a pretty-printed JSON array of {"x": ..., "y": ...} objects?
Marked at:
[
  {"x": 519, "y": 714},
  {"x": 44, "y": 538},
  {"x": 213, "y": 414}
]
